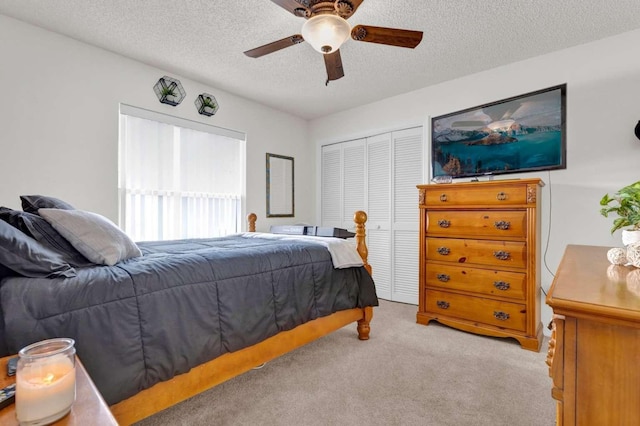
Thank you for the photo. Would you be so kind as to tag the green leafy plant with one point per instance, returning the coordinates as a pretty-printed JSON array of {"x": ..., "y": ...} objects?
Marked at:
[
  {"x": 626, "y": 204},
  {"x": 208, "y": 102},
  {"x": 167, "y": 91}
]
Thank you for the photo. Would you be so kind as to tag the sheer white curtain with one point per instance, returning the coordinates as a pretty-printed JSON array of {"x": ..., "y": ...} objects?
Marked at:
[{"x": 178, "y": 182}]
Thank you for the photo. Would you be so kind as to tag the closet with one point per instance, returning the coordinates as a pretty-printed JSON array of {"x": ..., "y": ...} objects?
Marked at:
[{"x": 379, "y": 174}]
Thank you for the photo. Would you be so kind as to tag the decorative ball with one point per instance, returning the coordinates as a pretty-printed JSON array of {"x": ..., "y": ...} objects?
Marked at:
[
  {"x": 617, "y": 256},
  {"x": 633, "y": 254}
]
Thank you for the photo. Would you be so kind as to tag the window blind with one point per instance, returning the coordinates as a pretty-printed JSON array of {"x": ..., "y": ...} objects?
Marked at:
[{"x": 178, "y": 178}]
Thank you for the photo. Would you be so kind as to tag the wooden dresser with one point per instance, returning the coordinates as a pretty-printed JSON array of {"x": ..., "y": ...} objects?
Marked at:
[
  {"x": 479, "y": 258},
  {"x": 594, "y": 350}
]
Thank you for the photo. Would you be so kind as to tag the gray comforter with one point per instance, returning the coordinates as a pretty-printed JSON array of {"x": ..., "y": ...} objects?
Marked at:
[{"x": 182, "y": 303}]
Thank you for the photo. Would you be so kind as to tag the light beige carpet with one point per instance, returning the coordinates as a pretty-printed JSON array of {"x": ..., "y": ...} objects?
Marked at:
[{"x": 406, "y": 374}]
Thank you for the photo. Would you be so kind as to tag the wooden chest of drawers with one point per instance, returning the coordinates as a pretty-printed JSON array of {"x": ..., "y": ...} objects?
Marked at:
[
  {"x": 479, "y": 258},
  {"x": 594, "y": 350}
]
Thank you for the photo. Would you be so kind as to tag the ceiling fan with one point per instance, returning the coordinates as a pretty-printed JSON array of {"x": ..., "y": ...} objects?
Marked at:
[{"x": 327, "y": 28}]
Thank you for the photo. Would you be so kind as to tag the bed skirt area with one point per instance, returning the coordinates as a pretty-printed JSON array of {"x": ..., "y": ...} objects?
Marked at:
[{"x": 205, "y": 376}]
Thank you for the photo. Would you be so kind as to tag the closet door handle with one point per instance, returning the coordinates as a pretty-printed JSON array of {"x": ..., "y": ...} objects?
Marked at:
[
  {"x": 501, "y": 285},
  {"x": 444, "y": 223},
  {"x": 502, "y": 316},
  {"x": 503, "y": 225},
  {"x": 502, "y": 255},
  {"x": 444, "y": 251},
  {"x": 443, "y": 277},
  {"x": 442, "y": 304}
]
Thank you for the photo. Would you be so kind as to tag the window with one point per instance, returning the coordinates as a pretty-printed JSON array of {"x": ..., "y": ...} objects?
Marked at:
[{"x": 178, "y": 178}]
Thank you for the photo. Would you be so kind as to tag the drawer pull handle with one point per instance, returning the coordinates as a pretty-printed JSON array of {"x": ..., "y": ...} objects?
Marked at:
[
  {"x": 443, "y": 277},
  {"x": 503, "y": 225},
  {"x": 501, "y": 285},
  {"x": 502, "y": 316},
  {"x": 501, "y": 196},
  {"x": 444, "y": 251},
  {"x": 443, "y": 223},
  {"x": 443, "y": 197},
  {"x": 442, "y": 304},
  {"x": 502, "y": 255}
]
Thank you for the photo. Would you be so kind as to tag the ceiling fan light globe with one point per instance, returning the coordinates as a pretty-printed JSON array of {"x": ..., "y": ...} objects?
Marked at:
[{"x": 326, "y": 33}]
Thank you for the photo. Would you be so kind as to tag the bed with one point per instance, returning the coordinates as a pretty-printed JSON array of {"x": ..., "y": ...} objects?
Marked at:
[{"x": 184, "y": 316}]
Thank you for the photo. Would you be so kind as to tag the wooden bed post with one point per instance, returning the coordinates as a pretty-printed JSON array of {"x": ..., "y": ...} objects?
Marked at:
[
  {"x": 363, "y": 324},
  {"x": 251, "y": 222},
  {"x": 360, "y": 218}
]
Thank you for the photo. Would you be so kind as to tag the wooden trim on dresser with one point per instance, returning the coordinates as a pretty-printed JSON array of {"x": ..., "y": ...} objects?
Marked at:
[{"x": 555, "y": 361}]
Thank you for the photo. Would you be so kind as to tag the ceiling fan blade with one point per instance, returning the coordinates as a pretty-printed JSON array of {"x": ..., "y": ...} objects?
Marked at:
[
  {"x": 274, "y": 46},
  {"x": 294, "y": 7},
  {"x": 333, "y": 62},
  {"x": 389, "y": 36}
]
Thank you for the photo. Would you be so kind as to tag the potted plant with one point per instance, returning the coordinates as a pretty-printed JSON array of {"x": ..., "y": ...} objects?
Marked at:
[
  {"x": 206, "y": 104},
  {"x": 625, "y": 203},
  {"x": 169, "y": 91}
]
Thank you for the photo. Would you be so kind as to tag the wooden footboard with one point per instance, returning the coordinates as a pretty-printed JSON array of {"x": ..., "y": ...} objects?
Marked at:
[{"x": 205, "y": 376}]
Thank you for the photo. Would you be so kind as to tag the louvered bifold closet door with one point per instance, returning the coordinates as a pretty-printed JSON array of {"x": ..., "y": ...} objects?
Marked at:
[
  {"x": 331, "y": 201},
  {"x": 379, "y": 212},
  {"x": 408, "y": 171},
  {"x": 354, "y": 178}
]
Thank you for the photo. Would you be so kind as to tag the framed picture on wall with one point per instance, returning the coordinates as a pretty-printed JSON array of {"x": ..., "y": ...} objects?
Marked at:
[{"x": 280, "y": 195}]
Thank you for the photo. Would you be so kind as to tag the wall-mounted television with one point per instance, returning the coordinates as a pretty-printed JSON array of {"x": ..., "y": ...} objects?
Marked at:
[{"x": 520, "y": 134}]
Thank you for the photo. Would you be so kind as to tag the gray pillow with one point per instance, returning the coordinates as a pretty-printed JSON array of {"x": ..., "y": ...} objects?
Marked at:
[
  {"x": 31, "y": 203},
  {"x": 25, "y": 256},
  {"x": 38, "y": 228},
  {"x": 93, "y": 235},
  {"x": 15, "y": 218}
]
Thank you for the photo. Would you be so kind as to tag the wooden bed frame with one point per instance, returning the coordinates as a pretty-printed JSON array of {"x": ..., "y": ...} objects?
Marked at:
[{"x": 205, "y": 376}]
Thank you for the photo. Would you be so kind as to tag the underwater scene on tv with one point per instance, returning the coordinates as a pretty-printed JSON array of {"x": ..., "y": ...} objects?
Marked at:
[
  {"x": 519, "y": 134},
  {"x": 531, "y": 151}
]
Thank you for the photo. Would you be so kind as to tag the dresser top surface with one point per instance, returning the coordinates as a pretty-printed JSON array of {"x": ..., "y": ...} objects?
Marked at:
[
  {"x": 586, "y": 282},
  {"x": 485, "y": 183}
]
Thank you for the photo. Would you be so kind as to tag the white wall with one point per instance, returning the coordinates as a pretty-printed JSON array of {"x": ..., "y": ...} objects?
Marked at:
[
  {"x": 59, "y": 126},
  {"x": 603, "y": 98},
  {"x": 59, "y": 123}
]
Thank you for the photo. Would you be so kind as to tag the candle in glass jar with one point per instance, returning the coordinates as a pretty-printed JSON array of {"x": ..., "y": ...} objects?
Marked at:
[{"x": 45, "y": 389}]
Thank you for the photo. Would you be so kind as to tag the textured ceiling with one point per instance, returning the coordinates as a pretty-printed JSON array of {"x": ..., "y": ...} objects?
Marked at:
[{"x": 205, "y": 39}]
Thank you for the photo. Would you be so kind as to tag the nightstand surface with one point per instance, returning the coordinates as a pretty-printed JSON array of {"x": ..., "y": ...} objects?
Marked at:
[{"x": 88, "y": 409}]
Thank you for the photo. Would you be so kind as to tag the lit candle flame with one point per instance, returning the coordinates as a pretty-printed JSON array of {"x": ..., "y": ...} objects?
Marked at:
[{"x": 48, "y": 379}]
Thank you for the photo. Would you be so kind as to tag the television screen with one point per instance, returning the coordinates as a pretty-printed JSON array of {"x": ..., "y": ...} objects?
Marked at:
[{"x": 520, "y": 134}]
